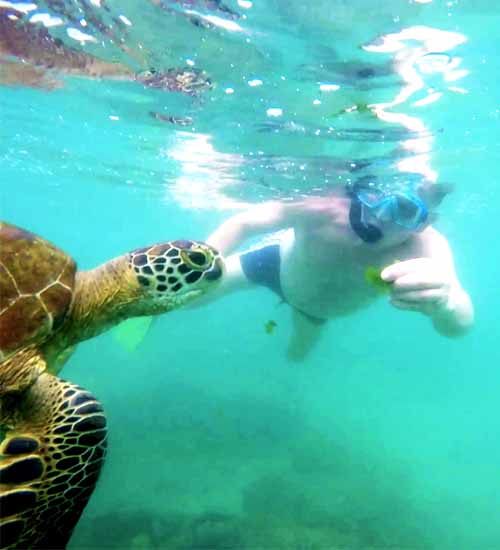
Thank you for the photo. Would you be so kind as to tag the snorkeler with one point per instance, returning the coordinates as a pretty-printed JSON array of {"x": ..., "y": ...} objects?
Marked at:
[{"x": 319, "y": 264}]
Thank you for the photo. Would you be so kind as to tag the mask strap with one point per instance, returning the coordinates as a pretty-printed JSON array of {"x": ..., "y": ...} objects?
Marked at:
[{"x": 365, "y": 231}]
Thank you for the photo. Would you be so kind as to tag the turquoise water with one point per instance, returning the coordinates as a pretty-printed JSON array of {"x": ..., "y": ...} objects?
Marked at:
[{"x": 387, "y": 437}]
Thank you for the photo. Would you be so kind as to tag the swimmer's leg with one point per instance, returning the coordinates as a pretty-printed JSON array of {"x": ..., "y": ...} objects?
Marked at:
[{"x": 306, "y": 331}]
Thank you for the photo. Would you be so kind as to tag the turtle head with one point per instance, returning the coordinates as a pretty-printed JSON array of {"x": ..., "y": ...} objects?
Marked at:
[
  {"x": 173, "y": 273},
  {"x": 185, "y": 80}
]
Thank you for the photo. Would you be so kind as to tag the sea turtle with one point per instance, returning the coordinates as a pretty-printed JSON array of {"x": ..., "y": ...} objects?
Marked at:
[
  {"x": 186, "y": 80},
  {"x": 31, "y": 56},
  {"x": 54, "y": 432}
]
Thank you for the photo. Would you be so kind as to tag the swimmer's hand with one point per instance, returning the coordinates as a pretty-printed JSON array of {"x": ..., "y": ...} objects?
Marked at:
[{"x": 421, "y": 284}]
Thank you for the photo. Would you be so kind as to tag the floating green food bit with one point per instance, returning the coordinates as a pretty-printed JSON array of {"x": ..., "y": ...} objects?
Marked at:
[
  {"x": 270, "y": 326},
  {"x": 373, "y": 277},
  {"x": 355, "y": 108}
]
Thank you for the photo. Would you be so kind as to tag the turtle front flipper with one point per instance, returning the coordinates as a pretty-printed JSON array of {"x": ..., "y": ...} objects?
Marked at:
[{"x": 51, "y": 457}]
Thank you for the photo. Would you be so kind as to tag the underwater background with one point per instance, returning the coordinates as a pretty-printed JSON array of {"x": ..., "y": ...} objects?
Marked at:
[{"x": 388, "y": 435}]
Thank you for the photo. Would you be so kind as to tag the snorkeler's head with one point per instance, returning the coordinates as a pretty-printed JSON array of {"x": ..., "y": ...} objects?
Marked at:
[
  {"x": 433, "y": 193},
  {"x": 375, "y": 211}
]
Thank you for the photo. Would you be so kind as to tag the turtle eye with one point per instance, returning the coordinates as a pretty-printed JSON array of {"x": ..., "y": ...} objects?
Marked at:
[{"x": 196, "y": 259}]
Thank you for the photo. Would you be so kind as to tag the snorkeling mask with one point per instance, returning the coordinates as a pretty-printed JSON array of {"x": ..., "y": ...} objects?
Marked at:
[
  {"x": 401, "y": 207},
  {"x": 404, "y": 209}
]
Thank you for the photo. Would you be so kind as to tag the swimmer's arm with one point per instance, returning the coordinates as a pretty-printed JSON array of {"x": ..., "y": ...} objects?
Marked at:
[
  {"x": 264, "y": 218},
  {"x": 456, "y": 317},
  {"x": 430, "y": 284}
]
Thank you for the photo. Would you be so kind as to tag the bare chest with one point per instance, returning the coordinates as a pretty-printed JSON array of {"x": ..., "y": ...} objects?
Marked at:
[
  {"x": 331, "y": 283},
  {"x": 325, "y": 291}
]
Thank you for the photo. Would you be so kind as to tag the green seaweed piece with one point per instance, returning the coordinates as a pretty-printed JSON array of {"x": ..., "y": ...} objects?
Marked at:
[
  {"x": 373, "y": 277},
  {"x": 270, "y": 326},
  {"x": 363, "y": 108}
]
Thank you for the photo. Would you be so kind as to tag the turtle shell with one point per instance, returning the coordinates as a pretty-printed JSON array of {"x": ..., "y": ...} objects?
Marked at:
[{"x": 36, "y": 288}]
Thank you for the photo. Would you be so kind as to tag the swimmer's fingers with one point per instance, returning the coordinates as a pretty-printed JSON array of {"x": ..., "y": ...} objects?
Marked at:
[
  {"x": 403, "y": 304},
  {"x": 427, "y": 301},
  {"x": 415, "y": 297},
  {"x": 426, "y": 308},
  {"x": 421, "y": 284},
  {"x": 417, "y": 275},
  {"x": 414, "y": 266},
  {"x": 418, "y": 281}
]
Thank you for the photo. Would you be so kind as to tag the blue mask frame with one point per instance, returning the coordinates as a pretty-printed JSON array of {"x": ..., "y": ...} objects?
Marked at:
[{"x": 403, "y": 208}]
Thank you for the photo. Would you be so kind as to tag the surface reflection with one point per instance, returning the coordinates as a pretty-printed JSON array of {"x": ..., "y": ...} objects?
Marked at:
[{"x": 275, "y": 105}]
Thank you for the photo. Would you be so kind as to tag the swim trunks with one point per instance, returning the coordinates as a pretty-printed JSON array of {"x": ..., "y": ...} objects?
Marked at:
[{"x": 262, "y": 266}]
